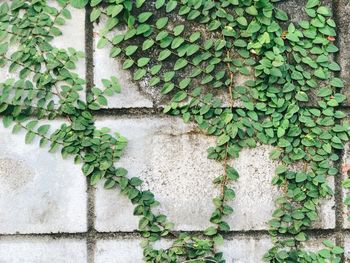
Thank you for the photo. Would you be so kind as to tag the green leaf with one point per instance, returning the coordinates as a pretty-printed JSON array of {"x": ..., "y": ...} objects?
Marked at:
[
  {"x": 95, "y": 14},
  {"x": 281, "y": 15},
  {"x": 135, "y": 181},
  {"x": 79, "y": 3},
  {"x": 324, "y": 92},
  {"x": 312, "y": 3},
  {"x": 141, "y": 62},
  {"x": 178, "y": 30},
  {"x": 164, "y": 54},
  {"x": 3, "y": 48},
  {"x": 128, "y": 63},
  {"x": 167, "y": 88},
  {"x": 300, "y": 177},
  {"x": 162, "y": 22},
  {"x": 139, "y": 74},
  {"x": 336, "y": 82},
  {"x": 253, "y": 27},
  {"x": 42, "y": 130},
  {"x": 179, "y": 96},
  {"x": 222, "y": 139},
  {"x": 110, "y": 183},
  {"x": 242, "y": 21},
  {"x": 170, "y": 6},
  {"x": 180, "y": 63},
  {"x": 337, "y": 250},
  {"x": 232, "y": 173},
  {"x": 275, "y": 154},
  {"x": 251, "y": 10},
  {"x": 29, "y": 137},
  {"x": 302, "y": 96},
  {"x": 143, "y": 17},
  {"x": 147, "y": 44},
  {"x": 210, "y": 231},
  {"x": 281, "y": 169},
  {"x": 130, "y": 50}
]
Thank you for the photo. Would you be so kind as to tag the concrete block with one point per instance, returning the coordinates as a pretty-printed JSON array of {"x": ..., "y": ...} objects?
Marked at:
[
  {"x": 238, "y": 250},
  {"x": 171, "y": 158},
  {"x": 346, "y": 212},
  {"x": 347, "y": 247},
  {"x": 73, "y": 35},
  {"x": 40, "y": 192},
  {"x": 123, "y": 250},
  {"x": 131, "y": 95},
  {"x": 42, "y": 250}
]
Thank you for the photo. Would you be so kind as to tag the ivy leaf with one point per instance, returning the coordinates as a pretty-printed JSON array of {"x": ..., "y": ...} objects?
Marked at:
[
  {"x": 302, "y": 96},
  {"x": 336, "y": 82},
  {"x": 79, "y": 3},
  {"x": 180, "y": 63},
  {"x": 210, "y": 231},
  {"x": 232, "y": 173},
  {"x": 300, "y": 177},
  {"x": 224, "y": 138},
  {"x": 95, "y": 14},
  {"x": 312, "y": 3}
]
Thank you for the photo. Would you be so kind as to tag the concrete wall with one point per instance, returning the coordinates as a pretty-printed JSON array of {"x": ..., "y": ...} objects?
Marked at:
[{"x": 49, "y": 214}]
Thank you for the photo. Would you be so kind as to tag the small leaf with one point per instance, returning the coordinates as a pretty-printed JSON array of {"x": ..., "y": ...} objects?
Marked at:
[{"x": 79, "y": 3}]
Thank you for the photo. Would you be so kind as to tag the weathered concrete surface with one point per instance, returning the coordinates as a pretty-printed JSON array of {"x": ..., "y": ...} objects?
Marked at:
[
  {"x": 40, "y": 192},
  {"x": 346, "y": 209},
  {"x": 344, "y": 43},
  {"x": 73, "y": 36},
  {"x": 240, "y": 249},
  {"x": 178, "y": 172},
  {"x": 118, "y": 251},
  {"x": 347, "y": 247},
  {"x": 105, "y": 67},
  {"x": 42, "y": 250}
]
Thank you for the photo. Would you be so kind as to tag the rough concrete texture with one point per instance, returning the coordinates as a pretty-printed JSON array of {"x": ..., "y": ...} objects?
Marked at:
[
  {"x": 238, "y": 250},
  {"x": 105, "y": 67},
  {"x": 42, "y": 250},
  {"x": 346, "y": 209},
  {"x": 178, "y": 172},
  {"x": 73, "y": 35},
  {"x": 40, "y": 192},
  {"x": 344, "y": 43},
  {"x": 347, "y": 247}
]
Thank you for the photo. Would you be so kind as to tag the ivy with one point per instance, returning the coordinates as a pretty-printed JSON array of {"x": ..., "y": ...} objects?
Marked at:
[{"x": 196, "y": 64}]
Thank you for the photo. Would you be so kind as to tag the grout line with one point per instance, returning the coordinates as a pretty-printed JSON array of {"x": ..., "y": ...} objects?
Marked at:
[
  {"x": 158, "y": 112},
  {"x": 110, "y": 235},
  {"x": 89, "y": 54},
  {"x": 89, "y": 51}
]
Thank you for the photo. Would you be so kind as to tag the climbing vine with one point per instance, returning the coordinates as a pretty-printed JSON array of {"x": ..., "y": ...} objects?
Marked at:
[{"x": 237, "y": 68}]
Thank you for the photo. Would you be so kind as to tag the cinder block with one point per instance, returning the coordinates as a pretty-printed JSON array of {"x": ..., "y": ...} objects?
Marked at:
[
  {"x": 343, "y": 26},
  {"x": 131, "y": 95},
  {"x": 40, "y": 192},
  {"x": 42, "y": 250},
  {"x": 171, "y": 158}
]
